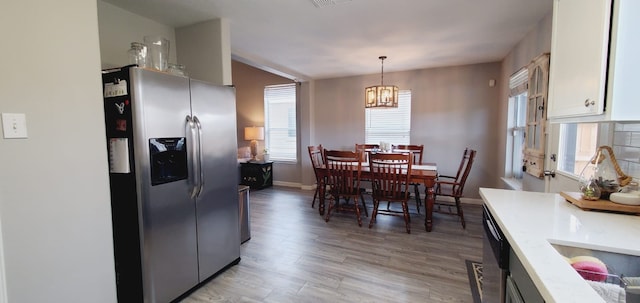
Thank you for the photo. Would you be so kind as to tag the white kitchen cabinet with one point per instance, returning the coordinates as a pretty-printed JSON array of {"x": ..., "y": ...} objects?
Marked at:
[
  {"x": 624, "y": 62},
  {"x": 593, "y": 60},
  {"x": 522, "y": 288},
  {"x": 579, "y": 51}
]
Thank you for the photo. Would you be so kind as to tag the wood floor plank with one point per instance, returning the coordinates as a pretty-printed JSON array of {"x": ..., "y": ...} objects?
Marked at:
[{"x": 295, "y": 256}]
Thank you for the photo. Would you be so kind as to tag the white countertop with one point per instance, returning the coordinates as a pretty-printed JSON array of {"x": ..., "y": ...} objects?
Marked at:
[{"x": 531, "y": 220}]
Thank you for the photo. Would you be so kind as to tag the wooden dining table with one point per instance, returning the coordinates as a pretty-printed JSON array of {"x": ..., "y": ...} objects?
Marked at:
[{"x": 425, "y": 174}]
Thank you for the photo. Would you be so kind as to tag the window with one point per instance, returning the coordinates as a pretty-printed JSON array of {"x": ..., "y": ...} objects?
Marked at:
[
  {"x": 389, "y": 124},
  {"x": 517, "y": 106},
  {"x": 280, "y": 121},
  {"x": 578, "y": 143},
  {"x": 516, "y": 123}
]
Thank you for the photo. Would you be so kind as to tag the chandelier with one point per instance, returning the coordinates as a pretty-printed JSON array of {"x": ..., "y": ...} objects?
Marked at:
[{"x": 381, "y": 95}]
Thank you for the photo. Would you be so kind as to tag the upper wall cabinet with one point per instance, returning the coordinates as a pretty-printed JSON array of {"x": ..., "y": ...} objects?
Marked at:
[
  {"x": 579, "y": 47},
  {"x": 593, "y": 61},
  {"x": 624, "y": 62}
]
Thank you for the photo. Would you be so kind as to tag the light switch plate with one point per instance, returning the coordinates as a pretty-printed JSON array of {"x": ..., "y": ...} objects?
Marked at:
[{"x": 14, "y": 126}]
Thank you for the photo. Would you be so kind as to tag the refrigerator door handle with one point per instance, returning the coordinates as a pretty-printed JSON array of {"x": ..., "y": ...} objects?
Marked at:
[
  {"x": 193, "y": 181},
  {"x": 199, "y": 158}
]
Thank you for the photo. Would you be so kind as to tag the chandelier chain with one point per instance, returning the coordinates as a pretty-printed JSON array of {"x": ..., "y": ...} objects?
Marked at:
[{"x": 382, "y": 69}]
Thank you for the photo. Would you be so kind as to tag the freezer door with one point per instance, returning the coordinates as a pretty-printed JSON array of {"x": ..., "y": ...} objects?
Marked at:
[
  {"x": 217, "y": 204},
  {"x": 160, "y": 105}
]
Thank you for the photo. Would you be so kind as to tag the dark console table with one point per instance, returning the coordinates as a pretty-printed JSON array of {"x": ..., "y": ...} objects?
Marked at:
[{"x": 257, "y": 174}]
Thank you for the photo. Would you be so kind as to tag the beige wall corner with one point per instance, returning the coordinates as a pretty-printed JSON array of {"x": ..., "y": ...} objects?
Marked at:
[{"x": 205, "y": 49}]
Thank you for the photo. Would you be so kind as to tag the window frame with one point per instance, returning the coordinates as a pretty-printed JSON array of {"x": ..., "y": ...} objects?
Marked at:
[
  {"x": 271, "y": 97},
  {"x": 518, "y": 98},
  {"x": 572, "y": 138},
  {"x": 516, "y": 135}
]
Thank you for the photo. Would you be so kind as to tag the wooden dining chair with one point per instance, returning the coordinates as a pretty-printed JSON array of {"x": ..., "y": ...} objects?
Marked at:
[
  {"x": 416, "y": 151},
  {"x": 366, "y": 150},
  {"x": 390, "y": 175},
  {"x": 317, "y": 161},
  {"x": 344, "y": 169},
  {"x": 453, "y": 186}
]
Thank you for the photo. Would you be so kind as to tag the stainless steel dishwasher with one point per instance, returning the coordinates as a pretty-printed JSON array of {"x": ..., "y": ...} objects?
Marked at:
[{"x": 495, "y": 260}]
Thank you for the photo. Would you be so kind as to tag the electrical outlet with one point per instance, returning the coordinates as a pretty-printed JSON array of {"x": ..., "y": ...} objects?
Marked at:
[{"x": 14, "y": 126}]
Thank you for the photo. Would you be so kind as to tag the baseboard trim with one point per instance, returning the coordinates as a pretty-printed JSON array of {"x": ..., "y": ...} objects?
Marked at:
[
  {"x": 288, "y": 184},
  {"x": 308, "y": 187}
]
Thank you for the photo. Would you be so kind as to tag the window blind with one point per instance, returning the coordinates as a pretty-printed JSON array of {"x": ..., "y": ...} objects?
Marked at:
[
  {"x": 518, "y": 82},
  {"x": 390, "y": 124},
  {"x": 280, "y": 121}
]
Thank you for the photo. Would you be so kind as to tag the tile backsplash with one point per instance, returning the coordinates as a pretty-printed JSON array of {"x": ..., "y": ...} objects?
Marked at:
[{"x": 626, "y": 147}]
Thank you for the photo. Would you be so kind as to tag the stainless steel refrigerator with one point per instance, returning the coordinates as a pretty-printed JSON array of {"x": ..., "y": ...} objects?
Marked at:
[{"x": 173, "y": 173}]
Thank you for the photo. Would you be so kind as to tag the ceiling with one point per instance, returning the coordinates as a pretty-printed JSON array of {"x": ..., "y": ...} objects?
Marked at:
[{"x": 315, "y": 39}]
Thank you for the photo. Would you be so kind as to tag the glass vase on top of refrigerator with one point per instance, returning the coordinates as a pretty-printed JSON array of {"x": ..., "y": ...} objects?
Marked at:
[{"x": 172, "y": 152}]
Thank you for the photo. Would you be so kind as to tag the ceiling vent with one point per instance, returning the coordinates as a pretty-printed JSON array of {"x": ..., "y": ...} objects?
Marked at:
[{"x": 324, "y": 3}]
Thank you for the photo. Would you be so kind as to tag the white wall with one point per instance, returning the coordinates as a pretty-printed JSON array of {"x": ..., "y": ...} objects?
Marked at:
[
  {"x": 626, "y": 147},
  {"x": 205, "y": 50},
  {"x": 54, "y": 188},
  {"x": 3, "y": 276},
  {"x": 536, "y": 42},
  {"x": 305, "y": 114},
  {"x": 118, "y": 28}
]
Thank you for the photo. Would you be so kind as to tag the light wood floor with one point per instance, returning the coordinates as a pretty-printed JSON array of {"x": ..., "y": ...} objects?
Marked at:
[{"x": 295, "y": 256}]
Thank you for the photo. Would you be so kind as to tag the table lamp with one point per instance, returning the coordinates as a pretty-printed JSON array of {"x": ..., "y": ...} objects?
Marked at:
[{"x": 254, "y": 134}]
